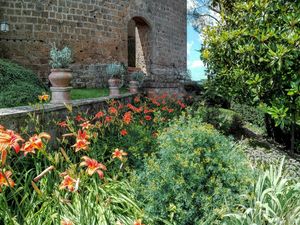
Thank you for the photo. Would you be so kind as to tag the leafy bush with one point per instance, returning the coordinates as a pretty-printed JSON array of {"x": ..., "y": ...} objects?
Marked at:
[
  {"x": 18, "y": 86},
  {"x": 194, "y": 173},
  {"x": 227, "y": 121},
  {"x": 276, "y": 201},
  {"x": 250, "y": 114}
]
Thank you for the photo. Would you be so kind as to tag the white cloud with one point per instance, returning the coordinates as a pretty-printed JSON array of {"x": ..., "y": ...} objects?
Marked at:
[
  {"x": 189, "y": 47},
  {"x": 196, "y": 64}
]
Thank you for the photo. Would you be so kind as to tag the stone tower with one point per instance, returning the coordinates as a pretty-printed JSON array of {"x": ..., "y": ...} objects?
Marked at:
[{"x": 145, "y": 34}]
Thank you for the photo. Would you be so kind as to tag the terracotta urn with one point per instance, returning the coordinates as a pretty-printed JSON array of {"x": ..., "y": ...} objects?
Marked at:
[
  {"x": 133, "y": 87},
  {"x": 60, "y": 77},
  {"x": 114, "y": 85}
]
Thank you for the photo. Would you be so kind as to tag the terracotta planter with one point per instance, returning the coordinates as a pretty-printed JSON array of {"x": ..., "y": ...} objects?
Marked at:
[
  {"x": 114, "y": 85},
  {"x": 134, "y": 87},
  {"x": 60, "y": 77}
]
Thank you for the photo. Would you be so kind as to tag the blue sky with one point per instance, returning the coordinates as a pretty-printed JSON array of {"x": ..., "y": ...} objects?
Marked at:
[{"x": 193, "y": 56}]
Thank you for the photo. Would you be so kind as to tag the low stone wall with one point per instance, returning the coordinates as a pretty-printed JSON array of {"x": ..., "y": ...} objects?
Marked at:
[{"x": 21, "y": 118}]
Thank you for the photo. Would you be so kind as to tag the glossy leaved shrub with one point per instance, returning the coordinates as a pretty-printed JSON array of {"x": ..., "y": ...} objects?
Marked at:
[{"x": 195, "y": 171}]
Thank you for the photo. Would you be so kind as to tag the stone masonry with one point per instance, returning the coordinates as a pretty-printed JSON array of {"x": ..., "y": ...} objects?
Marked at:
[{"x": 98, "y": 32}]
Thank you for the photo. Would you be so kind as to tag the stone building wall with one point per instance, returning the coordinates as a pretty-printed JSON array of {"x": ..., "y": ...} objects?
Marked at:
[{"x": 97, "y": 32}]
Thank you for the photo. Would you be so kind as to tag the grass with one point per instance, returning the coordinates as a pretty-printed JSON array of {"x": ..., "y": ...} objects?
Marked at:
[{"x": 78, "y": 93}]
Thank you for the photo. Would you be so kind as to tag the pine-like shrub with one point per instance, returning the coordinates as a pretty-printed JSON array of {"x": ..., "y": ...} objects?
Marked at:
[
  {"x": 18, "y": 86},
  {"x": 195, "y": 172}
]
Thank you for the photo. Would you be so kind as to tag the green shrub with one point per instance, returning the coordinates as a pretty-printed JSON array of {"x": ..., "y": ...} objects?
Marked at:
[
  {"x": 194, "y": 173},
  {"x": 250, "y": 114},
  {"x": 276, "y": 201},
  {"x": 227, "y": 121},
  {"x": 18, "y": 86}
]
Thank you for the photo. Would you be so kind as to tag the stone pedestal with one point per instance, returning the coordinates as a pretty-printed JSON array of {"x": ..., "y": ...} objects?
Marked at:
[
  {"x": 114, "y": 91},
  {"x": 134, "y": 87},
  {"x": 60, "y": 95}
]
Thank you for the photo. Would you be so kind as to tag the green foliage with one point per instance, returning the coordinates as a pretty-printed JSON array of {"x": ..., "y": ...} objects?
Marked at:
[
  {"x": 194, "y": 173},
  {"x": 250, "y": 114},
  {"x": 276, "y": 201},
  {"x": 253, "y": 57},
  {"x": 60, "y": 58},
  {"x": 82, "y": 93},
  {"x": 227, "y": 121},
  {"x": 18, "y": 86}
]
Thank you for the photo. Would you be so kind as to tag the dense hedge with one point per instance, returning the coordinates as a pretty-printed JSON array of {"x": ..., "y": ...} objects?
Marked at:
[
  {"x": 194, "y": 174},
  {"x": 18, "y": 86}
]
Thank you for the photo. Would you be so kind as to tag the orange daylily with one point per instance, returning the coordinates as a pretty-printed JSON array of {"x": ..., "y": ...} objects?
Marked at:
[
  {"x": 79, "y": 118},
  {"x": 66, "y": 222},
  {"x": 99, "y": 115},
  {"x": 138, "y": 222},
  {"x": 81, "y": 141},
  {"x": 43, "y": 97},
  {"x": 35, "y": 143},
  {"x": 123, "y": 132},
  {"x": 62, "y": 124},
  {"x": 93, "y": 166},
  {"x": 69, "y": 183},
  {"x": 8, "y": 139},
  {"x": 112, "y": 110},
  {"x": 86, "y": 125},
  {"x": 119, "y": 154},
  {"x": 127, "y": 118},
  {"x": 5, "y": 179},
  {"x": 147, "y": 117}
]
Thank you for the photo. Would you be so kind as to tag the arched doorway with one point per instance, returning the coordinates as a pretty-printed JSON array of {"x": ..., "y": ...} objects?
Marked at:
[{"x": 139, "y": 45}]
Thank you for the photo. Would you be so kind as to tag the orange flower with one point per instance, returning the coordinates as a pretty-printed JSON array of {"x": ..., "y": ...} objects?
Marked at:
[
  {"x": 79, "y": 118},
  {"x": 5, "y": 179},
  {"x": 127, "y": 117},
  {"x": 35, "y": 143},
  {"x": 69, "y": 183},
  {"x": 8, "y": 139},
  {"x": 108, "y": 119},
  {"x": 81, "y": 141},
  {"x": 66, "y": 222},
  {"x": 123, "y": 132},
  {"x": 165, "y": 108},
  {"x": 93, "y": 166},
  {"x": 138, "y": 222},
  {"x": 170, "y": 110},
  {"x": 181, "y": 104},
  {"x": 147, "y": 117},
  {"x": 99, "y": 115},
  {"x": 62, "y": 124},
  {"x": 137, "y": 99},
  {"x": 119, "y": 154},
  {"x": 86, "y": 125},
  {"x": 43, "y": 97},
  {"x": 112, "y": 110}
]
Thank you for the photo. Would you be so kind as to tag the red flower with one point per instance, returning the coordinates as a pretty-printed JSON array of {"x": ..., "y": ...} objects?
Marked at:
[
  {"x": 112, "y": 110},
  {"x": 181, "y": 104},
  {"x": 93, "y": 166},
  {"x": 165, "y": 108},
  {"x": 147, "y": 117},
  {"x": 99, "y": 115},
  {"x": 170, "y": 110},
  {"x": 63, "y": 124},
  {"x": 123, "y": 132},
  {"x": 127, "y": 117},
  {"x": 5, "y": 179},
  {"x": 108, "y": 119},
  {"x": 137, "y": 99},
  {"x": 79, "y": 118},
  {"x": 119, "y": 154}
]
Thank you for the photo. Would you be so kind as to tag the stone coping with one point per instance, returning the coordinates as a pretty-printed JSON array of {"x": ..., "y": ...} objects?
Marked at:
[{"x": 21, "y": 110}]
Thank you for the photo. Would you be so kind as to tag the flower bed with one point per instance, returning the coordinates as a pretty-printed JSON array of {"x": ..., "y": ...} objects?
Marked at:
[{"x": 82, "y": 179}]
